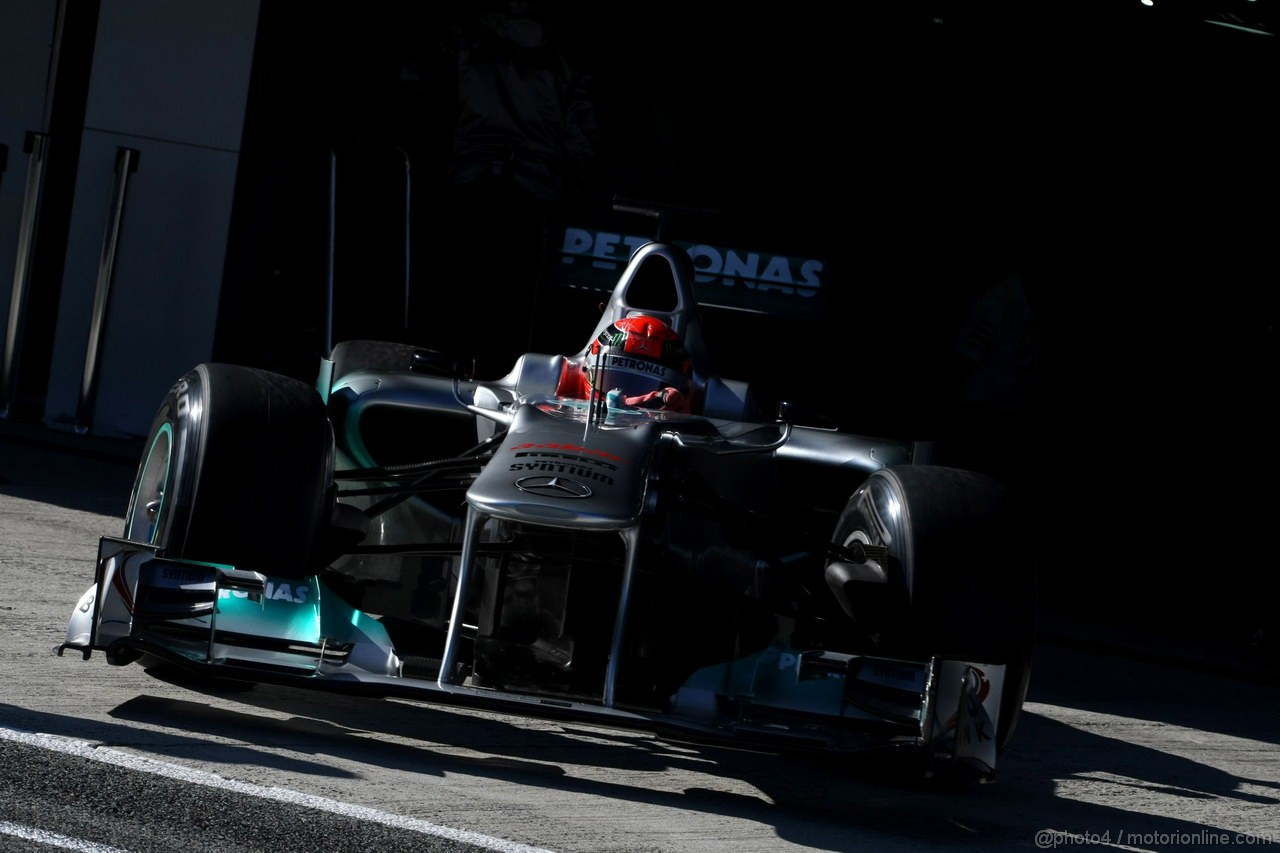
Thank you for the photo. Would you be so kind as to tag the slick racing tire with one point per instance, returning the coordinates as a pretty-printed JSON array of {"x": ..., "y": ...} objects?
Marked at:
[
  {"x": 237, "y": 469},
  {"x": 960, "y": 577}
]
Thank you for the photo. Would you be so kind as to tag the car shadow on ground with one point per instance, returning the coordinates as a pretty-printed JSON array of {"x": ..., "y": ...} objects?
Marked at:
[
  {"x": 1074, "y": 767},
  {"x": 84, "y": 482}
]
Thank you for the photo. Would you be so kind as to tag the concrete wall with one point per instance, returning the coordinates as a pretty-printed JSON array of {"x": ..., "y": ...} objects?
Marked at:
[
  {"x": 26, "y": 47},
  {"x": 169, "y": 80}
]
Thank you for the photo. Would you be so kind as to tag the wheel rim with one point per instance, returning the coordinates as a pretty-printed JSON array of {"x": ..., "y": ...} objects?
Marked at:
[{"x": 149, "y": 496}]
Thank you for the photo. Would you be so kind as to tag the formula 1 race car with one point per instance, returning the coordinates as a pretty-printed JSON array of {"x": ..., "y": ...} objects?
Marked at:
[{"x": 618, "y": 535}]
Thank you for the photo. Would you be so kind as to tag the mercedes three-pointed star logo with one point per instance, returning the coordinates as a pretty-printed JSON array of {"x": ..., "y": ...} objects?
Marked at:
[{"x": 553, "y": 487}]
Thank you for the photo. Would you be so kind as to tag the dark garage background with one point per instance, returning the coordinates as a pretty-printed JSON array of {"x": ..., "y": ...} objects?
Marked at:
[{"x": 1120, "y": 156}]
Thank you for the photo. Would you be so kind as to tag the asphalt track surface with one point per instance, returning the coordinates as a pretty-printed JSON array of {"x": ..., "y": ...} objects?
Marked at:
[{"x": 1129, "y": 741}]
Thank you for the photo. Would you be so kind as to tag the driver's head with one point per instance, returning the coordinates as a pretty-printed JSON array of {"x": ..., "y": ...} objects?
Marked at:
[{"x": 643, "y": 359}]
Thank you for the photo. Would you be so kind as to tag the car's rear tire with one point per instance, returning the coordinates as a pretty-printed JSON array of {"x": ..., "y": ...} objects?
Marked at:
[
  {"x": 237, "y": 469},
  {"x": 391, "y": 357},
  {"x": 960, "y": 578}
]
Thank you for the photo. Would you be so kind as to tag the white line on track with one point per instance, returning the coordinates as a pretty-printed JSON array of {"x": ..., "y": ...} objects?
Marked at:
[
  {"x": 93, "y": 752},
  {"x": 53, "y": 839}
]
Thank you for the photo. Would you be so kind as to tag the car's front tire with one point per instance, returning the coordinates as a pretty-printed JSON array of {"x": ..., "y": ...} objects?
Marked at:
[
  {"x": 958, "y": 574},
  {"x": 237, "y": 469}
]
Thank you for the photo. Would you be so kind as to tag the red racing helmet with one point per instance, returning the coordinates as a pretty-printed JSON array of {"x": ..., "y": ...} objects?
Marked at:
[{"x": 643, "y": 360}]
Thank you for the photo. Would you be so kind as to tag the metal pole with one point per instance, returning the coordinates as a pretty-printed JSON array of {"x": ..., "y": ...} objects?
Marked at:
[
  {"x": 333, "y": 224},
  {"x": 408, "y": 236},
  {"x": 37, "y": 146},
  {"x": 126, "y": 164}
]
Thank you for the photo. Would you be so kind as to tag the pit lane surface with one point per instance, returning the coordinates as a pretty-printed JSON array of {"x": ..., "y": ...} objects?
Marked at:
[{"x": 1112, "y": 753}]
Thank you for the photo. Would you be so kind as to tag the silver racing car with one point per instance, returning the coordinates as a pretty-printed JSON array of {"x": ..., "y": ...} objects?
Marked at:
[{"x": 617, "y": 535}]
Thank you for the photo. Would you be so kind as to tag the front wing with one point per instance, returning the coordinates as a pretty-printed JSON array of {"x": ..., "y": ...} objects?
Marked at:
[{"x": 221, "y": 622}]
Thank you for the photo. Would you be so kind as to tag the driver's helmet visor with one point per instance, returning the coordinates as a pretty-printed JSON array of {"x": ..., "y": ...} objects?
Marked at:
[{"x": 634, "y": 377}]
